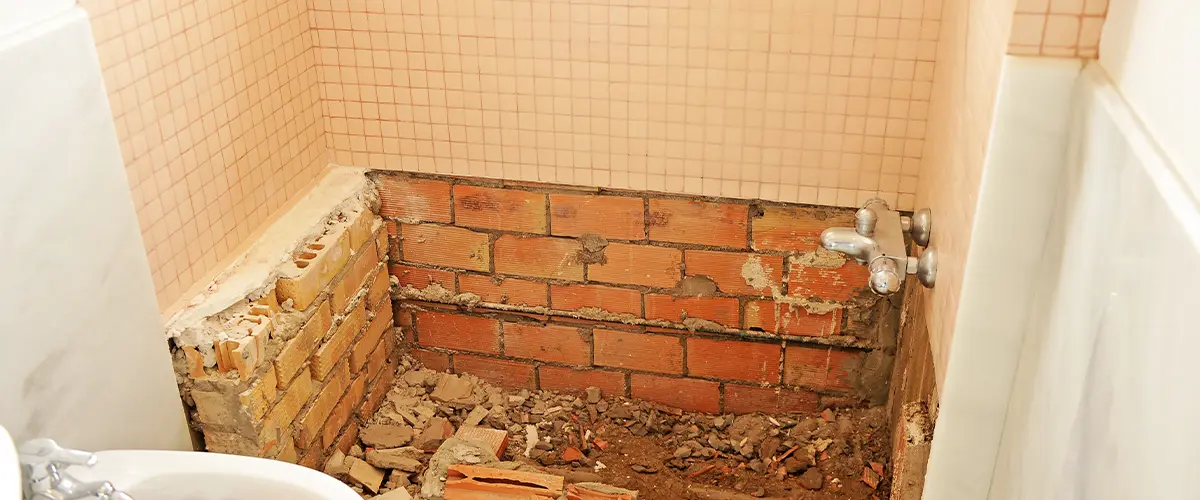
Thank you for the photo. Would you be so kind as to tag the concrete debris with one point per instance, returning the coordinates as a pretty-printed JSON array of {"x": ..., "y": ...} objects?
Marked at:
[
  {"x": 414, "y": 451},
  {"x": 386, "y": 436},
  {"x": 438, "y": 430},
  {"x": 403, "y": 459},
  {"x": 812, "y": 479},
  {"x": 365, "y": 474}
]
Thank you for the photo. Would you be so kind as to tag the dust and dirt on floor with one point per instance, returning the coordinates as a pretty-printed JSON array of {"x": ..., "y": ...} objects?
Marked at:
[{"x": 444, "y": 436}]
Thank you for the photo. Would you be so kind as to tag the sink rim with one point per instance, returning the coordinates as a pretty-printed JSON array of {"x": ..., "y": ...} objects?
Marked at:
[{"x": 126, "y": 468}]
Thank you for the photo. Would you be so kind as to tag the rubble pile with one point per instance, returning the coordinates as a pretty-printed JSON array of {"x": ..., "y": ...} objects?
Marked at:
[{"x": 443, "y": 436}]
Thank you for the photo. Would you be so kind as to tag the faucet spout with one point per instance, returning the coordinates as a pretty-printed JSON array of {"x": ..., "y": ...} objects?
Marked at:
[{"x": 849, "y": 242}]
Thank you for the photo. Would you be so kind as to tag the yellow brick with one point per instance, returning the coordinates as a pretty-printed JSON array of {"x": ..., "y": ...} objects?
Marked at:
[
  {"x": 269, "y": 300},
  {"x": 249, "y": 351},
  {"x": 343, "y": 411},
  {"x": 218, "y": 408},
  {"x": 258, "y": 398},
  {"x": 287, "y": 453},
  {"x": 336, "y": 248},
  {"x": 352, "y": 281},
  {"x": 285, "y": 410},
  {"x": 379, "y": 290},
  {"x": 310, "y": 424},
  {"x": 315, "y": 266},
  {"x": 360, "y": 226},
  {"x": 380, "y": 325},
  {"x": 296, "y": 352},
  {"x": 195, "y": 361},
  {"x": 378, "y": 360},
  {"x": 328, "y": 354},
  {"x": 381, "y": 242}
]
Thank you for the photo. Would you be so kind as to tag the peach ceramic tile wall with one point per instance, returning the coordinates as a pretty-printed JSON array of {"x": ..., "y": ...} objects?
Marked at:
[
  {"x": 216, "y": 108},
  {"x": 815, "y": 101},
  {"x": 970, "y": 57},
  {"x": 1062, "y": 28}
]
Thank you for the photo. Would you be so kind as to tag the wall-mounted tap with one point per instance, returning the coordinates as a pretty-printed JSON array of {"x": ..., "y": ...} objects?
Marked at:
[
  {"x": 877, "y": 240},
  {"x": 43, "y": 462}
]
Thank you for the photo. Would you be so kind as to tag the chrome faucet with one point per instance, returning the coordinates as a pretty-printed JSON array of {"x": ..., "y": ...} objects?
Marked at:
[
  {"x": 877, "y": 240},
  {"x": 43, "y": 462}
]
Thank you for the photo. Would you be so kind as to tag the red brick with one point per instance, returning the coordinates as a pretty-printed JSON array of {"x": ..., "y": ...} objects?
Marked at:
[
  {"x": 543, "y": 257},
  {"x": 575, "y": 380},
  {"x": 638, "y": 351},
  {"x": 456, "y": 331},
  {"x": 436, "y": 361},
  {"x": 445, "y": 246},
  {"x": 684, "y": 393},
  {"x": 742, "y": 399},
  {"x": 825, "y": 283},
  {"x": 414, "y": 199},
  {"x": 796, "y": 228},
  {"x": 645, "y": 265},
  {"x": 733, "y": 360},
  {"x": 700, "y": 222},
  {"x": 790, "y": 319},
  {"x": 501, "y": 372},
  {"x": 723, "y": 310},
  {"x": 504, "y": 209},
  {"x": 819, "y": 367},
  {"x": 503, "y": 290},
  {"x": 613, "y": 217},
  {"x": 558, "y": 344},
  {"x": 729, "y": 270},
  {"x": 614, "y": 300},
  {"x": 419, "y": 277}
]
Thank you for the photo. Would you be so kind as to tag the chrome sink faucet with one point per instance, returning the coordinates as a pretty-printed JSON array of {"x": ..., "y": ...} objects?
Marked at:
[
  {"x": 877, "y": 240},
  {"x": 43, "y": 463}
]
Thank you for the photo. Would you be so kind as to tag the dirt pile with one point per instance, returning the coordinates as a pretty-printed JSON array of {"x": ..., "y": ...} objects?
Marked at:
[{"x": 433, "y": 422}]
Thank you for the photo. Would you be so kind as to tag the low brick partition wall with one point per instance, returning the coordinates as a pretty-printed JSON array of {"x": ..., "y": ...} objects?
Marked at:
[
  {"x": 716, "y": 305},
  {"x": 289, "y": 371}
]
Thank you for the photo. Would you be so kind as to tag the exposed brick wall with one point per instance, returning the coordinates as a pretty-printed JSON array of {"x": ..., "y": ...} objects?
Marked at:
[
  {"x": 319, "y": 355},
  {"x": 701, "y": 303}
]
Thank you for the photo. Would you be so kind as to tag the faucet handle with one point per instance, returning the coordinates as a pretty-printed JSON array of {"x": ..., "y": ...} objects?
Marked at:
[
  {"x": 46, "y": 451},
  {"x": 885, "y": 276}
]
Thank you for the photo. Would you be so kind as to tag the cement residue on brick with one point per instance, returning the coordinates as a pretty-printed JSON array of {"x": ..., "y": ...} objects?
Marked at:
[
  {"x": 758, "y": 275},
  {"x": 818, "y": 258},
  {"x": 435, "y": 292},
  {"x": 695, "y": 286},
  {"x": 591, "y": 249}
]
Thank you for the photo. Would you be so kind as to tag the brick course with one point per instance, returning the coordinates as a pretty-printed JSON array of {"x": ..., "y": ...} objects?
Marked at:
[
  {"x": 335, "y": 345},
  {"x": 587, "y": 287}
]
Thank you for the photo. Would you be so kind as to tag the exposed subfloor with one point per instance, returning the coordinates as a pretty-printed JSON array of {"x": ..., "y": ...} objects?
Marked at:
[{"x": 662, "y": 453}]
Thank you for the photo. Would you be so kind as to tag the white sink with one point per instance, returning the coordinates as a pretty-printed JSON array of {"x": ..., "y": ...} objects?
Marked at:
[{"x": 177, "y": 475}]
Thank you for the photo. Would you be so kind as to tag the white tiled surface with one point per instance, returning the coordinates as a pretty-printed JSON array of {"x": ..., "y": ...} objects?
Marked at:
[
  {"x": 1021, "y": 182},
  {"x": 84, "y": 359}
]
